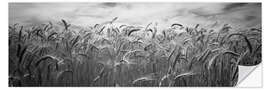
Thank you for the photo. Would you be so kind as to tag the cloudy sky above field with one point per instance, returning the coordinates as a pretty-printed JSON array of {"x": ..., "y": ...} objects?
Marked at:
[{"x": 165, "y": 14}]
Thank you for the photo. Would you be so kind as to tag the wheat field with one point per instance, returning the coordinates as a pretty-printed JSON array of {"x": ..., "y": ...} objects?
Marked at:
[
  {"x": 130, "y": 56},
  {"x": 170, "y": 47}
]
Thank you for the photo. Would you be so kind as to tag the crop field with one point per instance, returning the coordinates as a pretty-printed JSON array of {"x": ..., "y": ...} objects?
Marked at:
[
  {"x": 122, "y": 44},
  {"x": 113, "y": 55}
]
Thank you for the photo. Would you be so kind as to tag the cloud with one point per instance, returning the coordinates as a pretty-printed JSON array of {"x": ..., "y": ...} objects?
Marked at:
[
  {"x": 109, "y": 4},
  {"x": 189, "y": 14},
  {"x": 234, "y": 5}
]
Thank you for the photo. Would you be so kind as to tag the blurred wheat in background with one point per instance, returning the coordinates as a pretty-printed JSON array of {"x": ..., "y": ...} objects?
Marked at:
[{"x": 110, "y": 54}]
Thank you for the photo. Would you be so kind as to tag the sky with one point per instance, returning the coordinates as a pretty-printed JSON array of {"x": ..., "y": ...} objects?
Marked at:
[{"x": 211, "y": 15}]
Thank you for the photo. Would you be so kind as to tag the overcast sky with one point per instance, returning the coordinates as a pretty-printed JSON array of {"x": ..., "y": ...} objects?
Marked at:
[{"x": 84, "y": 14}]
